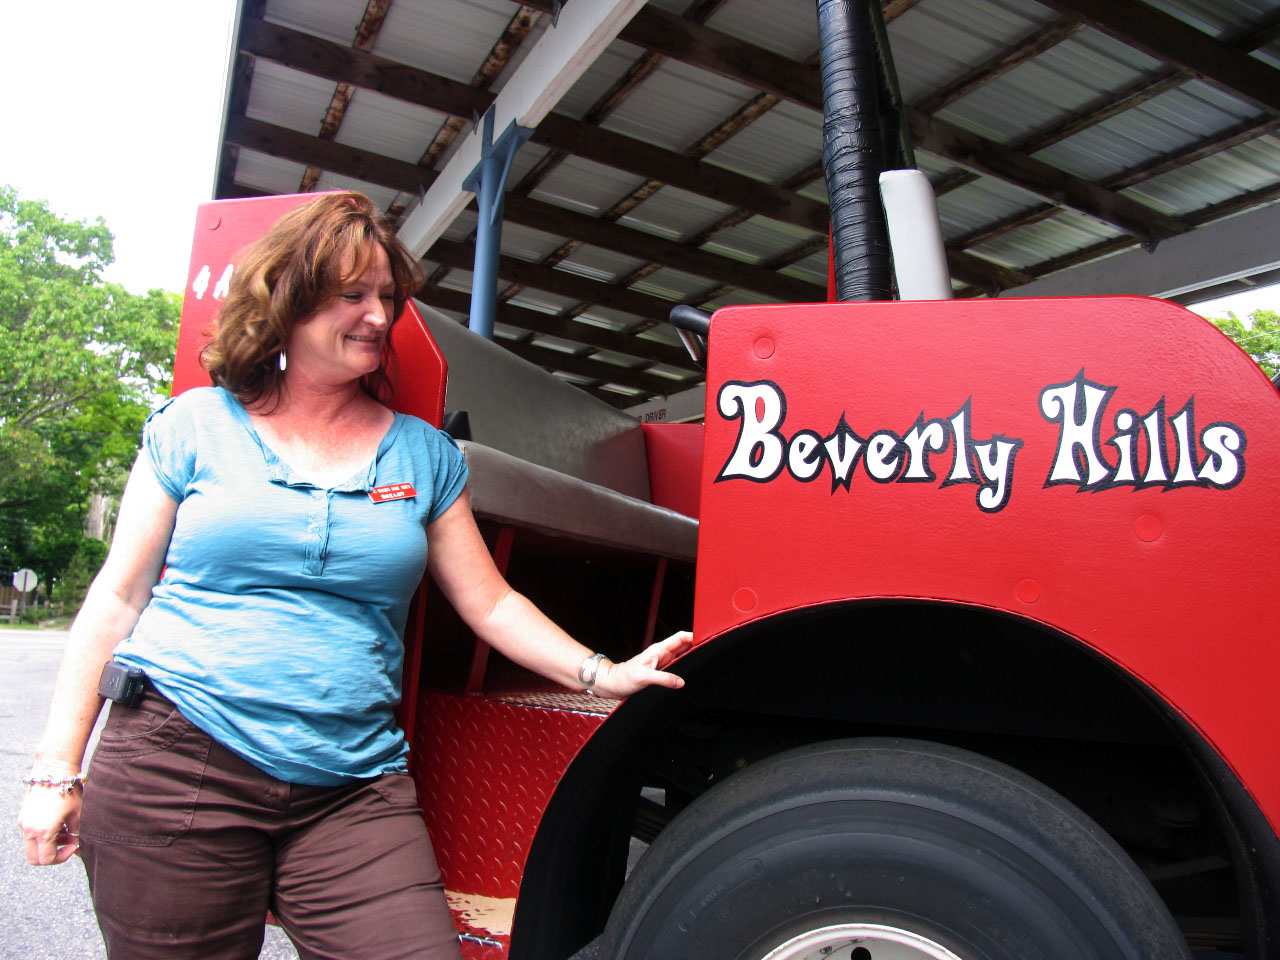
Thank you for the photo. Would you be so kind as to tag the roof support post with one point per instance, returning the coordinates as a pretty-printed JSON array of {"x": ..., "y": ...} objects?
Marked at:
[
  {"x": 554, "y": 65},
  {"x": 488, "y": 181}
]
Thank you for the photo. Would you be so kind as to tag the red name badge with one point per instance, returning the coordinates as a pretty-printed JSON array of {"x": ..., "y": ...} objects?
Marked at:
[{"x": 392, "y": 491}]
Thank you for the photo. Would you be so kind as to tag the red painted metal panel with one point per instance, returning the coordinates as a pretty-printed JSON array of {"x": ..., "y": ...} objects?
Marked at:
[
  {"x": 674, "y": 453},
  {"x": 487, "y": 767},
  {"x": 830, "y": 474}
]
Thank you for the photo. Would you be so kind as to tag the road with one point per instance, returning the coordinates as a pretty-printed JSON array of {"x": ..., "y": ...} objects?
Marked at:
[{"x": 45, "y": 912}]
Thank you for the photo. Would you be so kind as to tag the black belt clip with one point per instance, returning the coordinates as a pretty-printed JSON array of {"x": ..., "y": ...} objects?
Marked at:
[{"x": 122, "y": 684}]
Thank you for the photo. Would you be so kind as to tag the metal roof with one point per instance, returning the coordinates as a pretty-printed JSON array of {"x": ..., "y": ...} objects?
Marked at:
[{"x": 684, "y": 163}]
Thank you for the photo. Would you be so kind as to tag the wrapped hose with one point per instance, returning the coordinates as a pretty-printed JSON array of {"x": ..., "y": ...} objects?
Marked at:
[{"x": 852, "y": 149}]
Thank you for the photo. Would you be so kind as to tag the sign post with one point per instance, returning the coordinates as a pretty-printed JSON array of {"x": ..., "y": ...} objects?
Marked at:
[{"x": 24, "y": 581}]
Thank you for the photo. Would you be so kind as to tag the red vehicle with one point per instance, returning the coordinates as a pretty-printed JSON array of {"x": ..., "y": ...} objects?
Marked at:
[{"x": 985, "y": 660}]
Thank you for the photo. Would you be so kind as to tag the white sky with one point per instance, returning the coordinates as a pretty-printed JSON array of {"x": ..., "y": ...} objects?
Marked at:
[{"x": 113, "y": 109}]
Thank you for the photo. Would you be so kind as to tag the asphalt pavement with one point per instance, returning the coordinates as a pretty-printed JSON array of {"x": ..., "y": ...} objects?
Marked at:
[{"x": 45, "y": 912}]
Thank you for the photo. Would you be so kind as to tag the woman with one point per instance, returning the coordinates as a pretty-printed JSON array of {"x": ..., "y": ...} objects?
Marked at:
[{"x": 262, "y": 767}]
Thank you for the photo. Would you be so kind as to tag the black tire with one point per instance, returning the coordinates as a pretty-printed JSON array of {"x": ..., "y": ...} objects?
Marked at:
[{"x": 857, "y": 836}]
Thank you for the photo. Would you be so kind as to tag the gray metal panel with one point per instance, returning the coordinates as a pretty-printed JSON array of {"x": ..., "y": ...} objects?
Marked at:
[
  {"x": 1239, "y": 246},
  {"x": 334, "y": 20},
  {"x": 585, "y": 186},
  {"x": 289, "y": 98},
  {"x": 675, "y": 213},
  {"x": 269, "y": 174},
  {"x": 393, "y": 128},
  {"x": 513, "y": 491},
  {"x": 516, "y": 407},
  {"x": 787, "y": 27},
  {"x": 448, "y": 37},
  {"x": 677, "y": 105},
  {"x": 773, "y": 147}
]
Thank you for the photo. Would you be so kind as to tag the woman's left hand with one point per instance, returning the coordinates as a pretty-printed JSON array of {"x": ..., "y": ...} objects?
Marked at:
[{"x": 618, "y": 680}]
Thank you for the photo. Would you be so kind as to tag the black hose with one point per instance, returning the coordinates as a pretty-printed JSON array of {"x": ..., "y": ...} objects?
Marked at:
[{"x": 852, "y": 150}]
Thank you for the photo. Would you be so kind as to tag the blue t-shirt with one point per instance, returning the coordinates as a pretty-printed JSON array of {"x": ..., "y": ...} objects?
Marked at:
[{"x": 278, "y": 625}]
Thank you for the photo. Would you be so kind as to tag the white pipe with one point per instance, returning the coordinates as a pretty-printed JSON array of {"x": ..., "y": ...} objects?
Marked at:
[{"x": 915, "y": 236}]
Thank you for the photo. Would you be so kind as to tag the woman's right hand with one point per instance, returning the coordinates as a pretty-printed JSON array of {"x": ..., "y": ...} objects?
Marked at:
[{"x": 50, "y": 822}]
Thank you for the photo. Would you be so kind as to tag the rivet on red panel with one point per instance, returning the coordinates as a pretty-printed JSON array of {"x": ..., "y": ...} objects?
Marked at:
[
  {"x": 1028, "y": 591},
  {"x": 1148, "y": 528}
]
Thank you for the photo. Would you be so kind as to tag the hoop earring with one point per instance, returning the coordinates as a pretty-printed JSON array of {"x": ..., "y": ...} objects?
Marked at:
[{"x": 284, "y": 361}]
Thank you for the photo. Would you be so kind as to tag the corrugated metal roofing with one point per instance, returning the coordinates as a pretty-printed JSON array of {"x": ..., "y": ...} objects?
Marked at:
[{"x": 676, "y": 105}]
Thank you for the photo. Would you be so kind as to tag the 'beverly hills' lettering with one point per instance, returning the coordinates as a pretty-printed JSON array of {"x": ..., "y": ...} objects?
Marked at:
[
  {"x": 762, "y": 451},
  {"x": 1143, "y": 454},
  {"x": 1142, "y": 450}
]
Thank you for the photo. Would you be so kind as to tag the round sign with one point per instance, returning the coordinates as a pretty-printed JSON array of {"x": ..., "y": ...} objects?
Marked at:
[{"x": 24, "y": 580}]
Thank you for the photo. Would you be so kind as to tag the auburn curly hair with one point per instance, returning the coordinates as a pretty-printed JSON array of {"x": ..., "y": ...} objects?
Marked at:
[{"x": 288, "y": 276}]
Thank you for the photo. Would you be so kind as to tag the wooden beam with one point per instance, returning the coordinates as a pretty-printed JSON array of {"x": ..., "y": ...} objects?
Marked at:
[
  {"x": 711, "y": 50},
  {"x": 991, "y": 277},
  {"x": 1244, "y": 132},
  {"x": 1126, "y": 98},
  {"x": 341, "y": 64},
  {"x": 500, "y": 55},
  {"x": 634, "y": 243},
  {"x": 896, "y": 8},
  {"x": 366, "y": 33},
  {"x": 565, "y": 328},
  {"x": 1019, "y": 53},
  {"x": 650, "y": 162},
  {"x": 560, "y": 282},
  {"x": 303, "y": 148},
  {"x": 990, "y": 158},
  {"x": 1169, "y": 39},
  {"x": 332, "y": 61},
  {"x": 545, "y": 75},
  {"x": 639, "y": 70}
]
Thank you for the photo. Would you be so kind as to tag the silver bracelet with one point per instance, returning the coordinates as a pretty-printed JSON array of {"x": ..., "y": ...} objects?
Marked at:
[
  {"x": 587, "y": 672},
  {"x": 64, "y": 785}
]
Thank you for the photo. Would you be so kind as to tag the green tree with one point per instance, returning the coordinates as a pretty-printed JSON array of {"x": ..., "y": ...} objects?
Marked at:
[
  {"x": 83, "y": 361},
  {"x": 1260, "y": 338}
]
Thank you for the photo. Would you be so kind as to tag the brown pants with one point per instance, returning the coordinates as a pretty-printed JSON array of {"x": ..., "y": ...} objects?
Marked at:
[{"x": 187, "y": 846}]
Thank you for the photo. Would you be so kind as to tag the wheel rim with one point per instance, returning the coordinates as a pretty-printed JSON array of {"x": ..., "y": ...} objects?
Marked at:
[{"x": 860, "y": 941}]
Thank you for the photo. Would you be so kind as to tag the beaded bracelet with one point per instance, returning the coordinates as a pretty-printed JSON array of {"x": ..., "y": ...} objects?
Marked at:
[{"x": 64, "y": 785}]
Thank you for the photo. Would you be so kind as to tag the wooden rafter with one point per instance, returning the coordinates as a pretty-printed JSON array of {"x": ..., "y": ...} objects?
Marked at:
[
  {"x": 710, "y": 50},
  {"x": 560, "y": 282},
  {"x": 366, "y": 33},
  {"x": 277, "y": 141},
  {"x": 635, "y": 243},
  {"x": 515, "y": 33},
  {"x": 237, "y": 103},
  {"x": 322, "y": 58},
  {"x": 565, "y": 328},
  {"x": 987, "y": 157},
  {"x": 1026, "y": 49},
  {"x": 359, "y": 68},
  {"x": 1189, "y": 52},
  {"x": 1169, "y": 39},
  {"x": 617, "y": 92},
  {"x": 281, "y": 142},
  {"x": 1116, "y": 102}
]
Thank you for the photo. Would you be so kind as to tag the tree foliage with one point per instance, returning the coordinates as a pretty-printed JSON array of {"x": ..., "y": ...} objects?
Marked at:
[
  {"x": 1260, "y": 337},
  {"x": 82, "y": 363}
]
